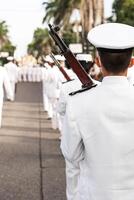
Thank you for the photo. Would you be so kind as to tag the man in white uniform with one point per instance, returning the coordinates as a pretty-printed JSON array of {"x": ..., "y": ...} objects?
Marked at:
[
  {"x": 53, "y": 90},
  {"x": 99, "y": 123},
  {"x": 4, "y": 84},
  {"x": 46, "y": 82},
  {"x": 12, "y": 71},
  {"x": 72, "y": 171},
  {"x": 44, "y": 88},
  {"x": 29, "y": 73}
]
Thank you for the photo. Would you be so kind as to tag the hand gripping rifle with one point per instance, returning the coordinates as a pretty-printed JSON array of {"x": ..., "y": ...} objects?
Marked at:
[
  {"x": 60, "y": 68},
  {"x": 86, "y": 81}
]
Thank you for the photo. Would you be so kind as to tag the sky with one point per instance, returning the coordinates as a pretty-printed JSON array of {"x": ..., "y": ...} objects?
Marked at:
[{"x": 24, "y": 16}]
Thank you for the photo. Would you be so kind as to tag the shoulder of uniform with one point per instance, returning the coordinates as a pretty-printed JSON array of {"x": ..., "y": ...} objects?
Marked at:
[{"x": 82, "y": 90}]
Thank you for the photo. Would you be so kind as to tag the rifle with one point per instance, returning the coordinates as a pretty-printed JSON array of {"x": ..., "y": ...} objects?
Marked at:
[
  {"x": 60, "y": 68},
  {"x": 86, "y": 81}
]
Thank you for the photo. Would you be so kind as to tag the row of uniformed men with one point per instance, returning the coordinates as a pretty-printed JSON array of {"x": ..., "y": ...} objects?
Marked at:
[
  {"x": 30, "y": 74},
  {"x": 25, "y": 73},
  {"x": 55, "y": 96},
  {"x": 51, "y": 77},
  {"x": 10, "y": 74},
  {"x": 54, "y": 84},
  {"x": 56, "y": 88}
]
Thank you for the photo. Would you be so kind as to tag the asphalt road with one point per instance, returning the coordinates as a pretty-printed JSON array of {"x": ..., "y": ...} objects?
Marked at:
[{"x": 31, "y": 164}]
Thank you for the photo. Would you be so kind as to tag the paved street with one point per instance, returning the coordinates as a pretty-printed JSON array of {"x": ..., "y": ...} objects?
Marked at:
[{"x": 31, "y": 164}]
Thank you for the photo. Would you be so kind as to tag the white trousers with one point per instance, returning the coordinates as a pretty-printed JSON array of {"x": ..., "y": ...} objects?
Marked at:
[
  {"x": 55, "y": 116},
  {"x": 45, "y": 102},
  {"x": 13, "y": 88},
  {"x": 1, "y": 106}
]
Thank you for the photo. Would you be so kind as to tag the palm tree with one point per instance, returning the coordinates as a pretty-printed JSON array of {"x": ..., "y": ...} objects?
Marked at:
[
  {"x": 5, "y": 43},
  {"x": 40, "y": 44},
  {"x": 59, "y": 10},
  {"x": 3, "y": 33},
  {"x": 92, "y": 14},
  {"x": 91, "y": 11},
  {"x": 98, "y": 10}
]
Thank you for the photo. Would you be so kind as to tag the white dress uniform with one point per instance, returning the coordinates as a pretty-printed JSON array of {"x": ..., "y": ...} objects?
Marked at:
[
  {"x": 67, "y": 88},
  {"x": 98, "y": 135},
  {"x": 36, "y": 75},
  {"x": 72, "y": 171},
  {"x": 29, "y": 73},
  {"x": 130, "y": 75},
  {"x": 44, "y": 89},
  {"x": 39, "y": 74},
  {"x": 12, "y": 71},
  {"x": 24, "y": 70},
  {"x": 4, "y": 84},
  {"x": 19, "y": 74},
  {"x": 48, "y": 104},
  {"x": 53, "y": 90}
]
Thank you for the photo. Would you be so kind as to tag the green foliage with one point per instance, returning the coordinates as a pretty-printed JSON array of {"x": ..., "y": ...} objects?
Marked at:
[
  {"x": 5, "y": 43},
  {"x": 8, "y": 47},
  {"x": 124, "y": 10},
  {"x": 3, "y": 29},
  {"x": 69, "y": 36},
  {"x": 40, "y": 43},
  {"x": 59, "y": 10}
]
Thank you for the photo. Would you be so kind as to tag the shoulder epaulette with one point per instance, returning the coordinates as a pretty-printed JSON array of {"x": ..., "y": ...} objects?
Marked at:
[{"x": 82, "y": 90}]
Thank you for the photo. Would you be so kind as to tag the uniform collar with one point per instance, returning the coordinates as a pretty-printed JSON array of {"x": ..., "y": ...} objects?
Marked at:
[{"x": 115, "y": 80}]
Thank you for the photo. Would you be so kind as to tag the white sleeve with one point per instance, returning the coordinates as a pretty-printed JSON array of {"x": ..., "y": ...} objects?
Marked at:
[
  {"x": 71, "y": 141},
  {"x": 61, "y": 106}
]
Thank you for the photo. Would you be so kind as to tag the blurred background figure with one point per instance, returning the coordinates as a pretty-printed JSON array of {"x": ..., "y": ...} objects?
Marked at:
[
  {"x": 61, "y": 60},
  {"x": 85, "y": 60},
  {"x": 44, "y": 70},
  {"x": 24, "y": 76},
  {"x": 54, "y": 82},
  {"x": 4, "y": 86},
  {"x": 47, "y": 104},
  {"x": 12, "y": 71},
  {"x": 30, "y": 73}
]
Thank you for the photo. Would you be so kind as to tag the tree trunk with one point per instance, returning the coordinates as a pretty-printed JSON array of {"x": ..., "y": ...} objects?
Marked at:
[
  {"x": 92, "y": 14},
  {"x": 98, "y": 12},
  {"x": 86, "y": 21}
]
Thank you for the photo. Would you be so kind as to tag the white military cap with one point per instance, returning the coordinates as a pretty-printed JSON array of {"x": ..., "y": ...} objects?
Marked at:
[
  {"x": 10, "y": 58},
  {"x": 84, "y": 57},
  {"x": 49, "y": 59},
  {"x": 112, "y": 36},
  {"x": 60, "y": 57}
]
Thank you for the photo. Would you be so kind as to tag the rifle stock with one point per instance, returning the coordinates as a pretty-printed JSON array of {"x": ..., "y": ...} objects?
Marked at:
[
  {"x": 61, "y": 68},
  {"x": 70, "y": 58}
]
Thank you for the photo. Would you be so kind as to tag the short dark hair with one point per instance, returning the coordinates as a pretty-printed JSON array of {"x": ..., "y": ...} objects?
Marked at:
[{"x": 115, "y": 60}]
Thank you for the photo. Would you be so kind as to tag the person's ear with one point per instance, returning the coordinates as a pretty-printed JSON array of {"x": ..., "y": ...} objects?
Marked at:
[
  {"x": 131, "y": 62},
  {"x": 98, "y": 62}
]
